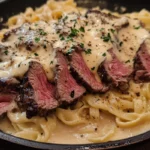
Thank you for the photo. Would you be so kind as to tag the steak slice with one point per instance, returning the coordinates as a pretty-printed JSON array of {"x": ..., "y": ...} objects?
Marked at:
[
  {"x": 6, "y": 102},
  {"x": 115, "y": 72},
  {"x": 142, "y": 65},
  {"x": 37, "y": 94},
  {"x": 83, "y": 72},
  {"x": 67, "y": 88}
]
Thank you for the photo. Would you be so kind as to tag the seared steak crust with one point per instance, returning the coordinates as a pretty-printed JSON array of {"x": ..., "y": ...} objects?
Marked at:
[
  {"x": 115, "y": 72},
  {"x": 142, "y": 65},
  {"x": 36, "y": 93}
]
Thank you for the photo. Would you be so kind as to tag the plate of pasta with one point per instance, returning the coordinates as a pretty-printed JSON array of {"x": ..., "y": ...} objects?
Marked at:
[{"x": 74, "y": 74}]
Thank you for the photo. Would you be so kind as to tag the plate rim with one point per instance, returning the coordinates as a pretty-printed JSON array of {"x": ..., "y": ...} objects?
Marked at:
[{"x": 93, "y": 146}]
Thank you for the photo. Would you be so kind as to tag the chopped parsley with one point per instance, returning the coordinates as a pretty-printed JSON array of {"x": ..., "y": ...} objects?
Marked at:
[
  {"x": 65, "y": 18},
  {"x": 74, "y": 32},
  {"x": 69, "y": 38},
  {"x": 112, "y": 30},
  {"x": 36, "y": 54},
  {"x": 42, "y": 32},
  {"x": 61, "y": 37},
  {"x": 72, "y": 94},
  {"x": 102, "y": 29},
  {"x": 81, "y": 45},
  {"x": 93, "y": 68},
  {"x": 37, "y": 39},
  {"x": 20, "y": 38},
  {"x": 127, "y": 61},
  {"x": 104, "y": 54},
  {"x": 106, "y": 38},
  {"x": 121, "y": 43},
  {"x": 82, "y": 29},
  {"x": 36, "y": 24},
  {"x": 88, "y": 51},
  {"x": 136, "y": 27},
  {"x": 6, "y": 52},
  {"x": 70, "y": 51}
]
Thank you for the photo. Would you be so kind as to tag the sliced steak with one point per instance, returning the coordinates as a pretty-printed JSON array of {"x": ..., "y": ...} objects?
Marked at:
[
  {"x": 115, "y": 72},
  {"x": 6, "y": 102},
  {"x": 142, "y": 65},
  {"x": 37, "y": 95},
  {"x": 80, "y": 68},
  {"x": 67, "y": 88}
]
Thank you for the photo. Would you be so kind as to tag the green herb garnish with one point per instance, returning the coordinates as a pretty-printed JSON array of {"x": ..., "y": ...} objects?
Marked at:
[
  {"x": 82, "y": 29},
  {"x": 106, "y": 38},
  {"x": 65, "y": 18},
  {"x": 88, "y": 51},
  {"x": 104, "y": 54},
  {"x": 102, "y": 29},
  {"x": 136, "y": 27},
  {"x": 20, "y": 38},
  {"x": 121, "y": 43},
  {"x": 81, "y": 45},
  {"x": 6, "y": 52},
  {"x": 42, "y": 32},
  {"x": 37, "y": 39},
  {"x": 127, "y": 61},
  {"x": 36, "y": 54},
  {"x": 93, "y": 68},
  {"x": 61, "y": 37},
  {"x": 70, "y": 51},
  {"x": 112, "y": 30},
  {"x": 74, "y": 32}
]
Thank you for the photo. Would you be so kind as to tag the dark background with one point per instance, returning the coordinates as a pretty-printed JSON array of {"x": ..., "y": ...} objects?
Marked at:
[{"x": 11, "y": 7}]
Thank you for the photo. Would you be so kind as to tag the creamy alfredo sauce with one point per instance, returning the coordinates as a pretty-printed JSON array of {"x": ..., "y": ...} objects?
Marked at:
[{"x": 95, "y": 34}]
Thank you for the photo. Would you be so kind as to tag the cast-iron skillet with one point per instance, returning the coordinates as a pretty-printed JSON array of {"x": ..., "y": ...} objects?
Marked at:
[{"x": 11, "y": 7}]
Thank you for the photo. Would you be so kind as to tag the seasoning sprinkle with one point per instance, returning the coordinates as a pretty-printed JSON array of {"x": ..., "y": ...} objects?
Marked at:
[
  {"x": 72, "y": 94},
  {"x": 36, "y": 54},
  {"x": 127, "y": 61},
  {"x": 82, "y": 29},
  {"x": 93, "y": 68},
  {"x": 121, "y": 43}
]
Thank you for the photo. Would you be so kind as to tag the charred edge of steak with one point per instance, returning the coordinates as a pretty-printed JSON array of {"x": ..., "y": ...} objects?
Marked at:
[
  {"x": 9, "y": 85},
  {"x": 85, "y": 84},
  {"x": 25, "y": 101},
  {"x": 141, "y": 74}
]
